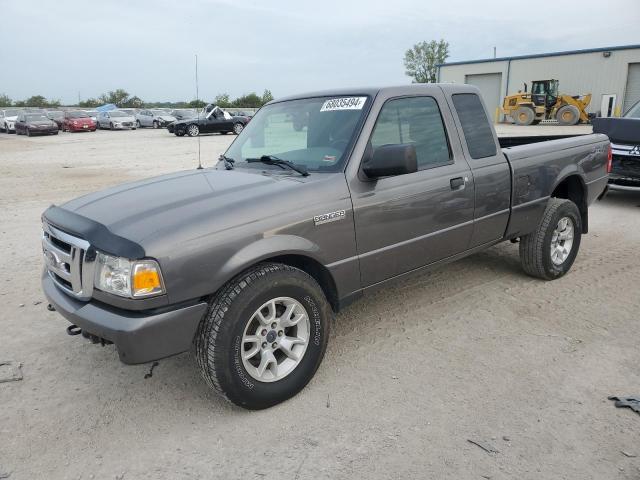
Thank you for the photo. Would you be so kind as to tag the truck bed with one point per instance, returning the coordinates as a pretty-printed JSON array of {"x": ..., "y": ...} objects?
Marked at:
[{"x": 539, "y": 165}]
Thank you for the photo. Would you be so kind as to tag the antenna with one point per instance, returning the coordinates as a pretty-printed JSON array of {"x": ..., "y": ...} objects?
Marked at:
[{"x": 197, "y": 106}]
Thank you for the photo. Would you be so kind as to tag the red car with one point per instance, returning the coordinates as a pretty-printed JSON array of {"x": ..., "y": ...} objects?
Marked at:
[{"x": 76, "y": 121}]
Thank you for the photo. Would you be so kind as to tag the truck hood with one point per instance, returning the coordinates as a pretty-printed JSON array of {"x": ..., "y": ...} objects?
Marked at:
[
  {"x": 624, "y": 130},
  {"x": 148, "y": 208}
]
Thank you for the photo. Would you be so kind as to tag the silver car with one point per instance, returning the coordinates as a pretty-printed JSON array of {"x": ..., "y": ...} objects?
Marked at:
[
  {"x": 116, "y": 120},
  {"x": 154, "y": 118},
  {"x": 8, "y": 119}
]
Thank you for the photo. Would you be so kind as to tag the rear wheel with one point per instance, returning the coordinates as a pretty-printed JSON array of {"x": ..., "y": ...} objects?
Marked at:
[
  {"x": 524, "y": 116},
  {"x": 264, "y": 335},
  {"x": 155, "y": 124},
  {"x": 237, "y": 128},
  {"x": 193, "y": 130},
  {"x": 550, "y": 250},
  {"x": 568, "y": 115}
]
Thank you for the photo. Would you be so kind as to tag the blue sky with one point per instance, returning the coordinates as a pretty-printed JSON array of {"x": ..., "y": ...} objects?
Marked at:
[{"x": 64, "y": 47}]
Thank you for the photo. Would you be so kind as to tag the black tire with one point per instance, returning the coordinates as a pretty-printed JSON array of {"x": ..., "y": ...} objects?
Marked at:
[
  {"x": 524, "y": 116},
  {"x": 568, "y": 115},
  {"x": 217, "y": 344},
  {"x": 138, "y": 124},
  {"x": 110, "y": 125},
  {"x": 155, "y": 124},
  {"x": 535, "y": 248}
]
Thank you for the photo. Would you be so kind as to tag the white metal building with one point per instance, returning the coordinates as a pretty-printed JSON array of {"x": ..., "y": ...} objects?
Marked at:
[{"x": 611, "y": 74}]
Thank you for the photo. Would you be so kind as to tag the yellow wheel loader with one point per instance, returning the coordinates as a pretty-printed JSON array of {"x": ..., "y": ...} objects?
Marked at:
[{"x": 545, "y": 103}]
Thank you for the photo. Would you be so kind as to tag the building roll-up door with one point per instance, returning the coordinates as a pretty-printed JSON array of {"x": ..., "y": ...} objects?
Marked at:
[
  {"x": 632, "y": 92},
  {"x": 489, "y": 85}
]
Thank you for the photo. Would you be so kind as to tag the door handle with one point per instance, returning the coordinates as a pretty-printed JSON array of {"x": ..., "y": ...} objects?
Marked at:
[{"x": 457, "y": 183}]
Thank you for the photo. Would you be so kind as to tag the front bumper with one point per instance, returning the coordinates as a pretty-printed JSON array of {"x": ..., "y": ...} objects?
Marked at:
[
  {"x": 140, "y": 337},
  {"x": 81, "y": 128}
]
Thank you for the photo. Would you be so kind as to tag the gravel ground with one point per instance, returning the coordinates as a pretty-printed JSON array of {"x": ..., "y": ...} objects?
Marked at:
[{"x": 474, "y": 351}]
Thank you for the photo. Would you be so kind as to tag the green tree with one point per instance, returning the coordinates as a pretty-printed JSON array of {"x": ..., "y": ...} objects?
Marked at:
[
  {"x": 132, "y": 102},
  {"x": 89, "y": 103},
  {"x": 36, "y": 101},
  {"x": 196, "y": 104},
  {"x": 250, "y": 100},
  {"x": 223, "y": 100},
  {"x": 421, "y": 60},
  {"x": 118, "y": 97},
  {"x": 266, "y": 96},
  {"x": 5, "y": 101}
]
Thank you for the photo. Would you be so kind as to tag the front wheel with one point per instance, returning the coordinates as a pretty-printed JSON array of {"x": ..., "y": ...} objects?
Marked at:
[
  {"x": 550, "y": 250},
  {"x": 138, "y": 124},
  {"x": 110, "y": 126},
  {"x": 264, "y": 335},
  {"x": 155, "y": 124},
  {"x": 193, "y": 130},
  {"x": 237, "y": 128}
]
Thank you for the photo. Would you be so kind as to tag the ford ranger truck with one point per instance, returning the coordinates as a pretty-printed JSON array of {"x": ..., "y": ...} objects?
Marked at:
[{"x": 321, "y": 199}]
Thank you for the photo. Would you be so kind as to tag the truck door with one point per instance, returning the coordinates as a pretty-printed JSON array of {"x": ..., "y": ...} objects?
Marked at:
[
  {"x": 489, "y": 166},
  {"x": 407, "y": 221}
]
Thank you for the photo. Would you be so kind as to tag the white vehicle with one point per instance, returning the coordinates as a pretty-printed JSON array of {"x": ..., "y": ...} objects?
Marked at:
[
  {"x": 8, "y": 120},
  {"x": 116, "y": 120},
  {"x": 154, "y": 118}
]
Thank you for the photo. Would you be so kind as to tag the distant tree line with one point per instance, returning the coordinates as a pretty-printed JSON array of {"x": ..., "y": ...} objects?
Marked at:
[{"x": 123, "y": 99}]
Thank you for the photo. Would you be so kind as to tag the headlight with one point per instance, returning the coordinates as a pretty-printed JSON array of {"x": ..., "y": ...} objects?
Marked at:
[{"x": 126, "y": 278}]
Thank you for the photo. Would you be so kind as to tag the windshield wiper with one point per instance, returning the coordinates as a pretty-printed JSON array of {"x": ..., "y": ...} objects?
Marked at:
[
  {"x": 228, "y": 162},
  {"x": 272, "y": 160}
]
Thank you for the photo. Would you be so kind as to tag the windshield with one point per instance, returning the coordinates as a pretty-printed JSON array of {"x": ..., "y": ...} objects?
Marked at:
[
  {"x": 36, "y": 117},
  {"x": 77, "y": 115},
  {"x": 634, "y": 112},
  {"x": 159, "y": 112},
  {"x": 312, "y": 132},
  {"x": 116, "y": 113}
]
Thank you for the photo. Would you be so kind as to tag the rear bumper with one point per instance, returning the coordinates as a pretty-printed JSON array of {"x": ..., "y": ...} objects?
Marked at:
[{"x": 140, "y": 337}]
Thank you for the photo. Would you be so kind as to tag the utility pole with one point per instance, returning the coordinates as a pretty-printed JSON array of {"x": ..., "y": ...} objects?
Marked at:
[{"x": 494, "y": 52}]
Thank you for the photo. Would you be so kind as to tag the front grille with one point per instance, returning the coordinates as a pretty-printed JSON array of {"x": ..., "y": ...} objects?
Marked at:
[
  {"x": 625, "y": 165},
  {"x": 67, "y": 263},
  {"x": 126, "y": 124}
]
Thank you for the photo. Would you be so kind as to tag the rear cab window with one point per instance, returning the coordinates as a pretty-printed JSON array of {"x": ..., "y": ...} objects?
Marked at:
[{"x": 475, "y": 125}]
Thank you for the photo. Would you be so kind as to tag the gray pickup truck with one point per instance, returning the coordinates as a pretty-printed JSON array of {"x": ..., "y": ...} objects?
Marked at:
[{"x": 322, "y": 198}]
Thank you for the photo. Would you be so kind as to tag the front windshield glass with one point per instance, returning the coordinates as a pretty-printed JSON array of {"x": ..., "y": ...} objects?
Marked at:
[
  {"x": 36, "y": 117},
  {"x": 312, "y": 132},
  {"x": 116, "y": 113},
  {"x": 77, "y": 115},
  {"x": 634, "y": 112}
]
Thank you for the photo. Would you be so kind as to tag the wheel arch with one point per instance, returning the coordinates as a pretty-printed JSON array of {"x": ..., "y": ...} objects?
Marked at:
[
  {"x": 572, "y": 187},
  {"x": 293, "y": 251}
]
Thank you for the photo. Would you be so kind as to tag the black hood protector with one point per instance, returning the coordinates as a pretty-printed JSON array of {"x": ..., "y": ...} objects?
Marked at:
[{"x": 99, "y": 236}]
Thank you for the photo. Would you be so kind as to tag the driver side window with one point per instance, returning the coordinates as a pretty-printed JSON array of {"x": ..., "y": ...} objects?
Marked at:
[{"x": 417, "y": 121}]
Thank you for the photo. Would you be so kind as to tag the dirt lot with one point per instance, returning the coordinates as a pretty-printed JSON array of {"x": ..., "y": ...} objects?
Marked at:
[{"x": 474, "y": 351}]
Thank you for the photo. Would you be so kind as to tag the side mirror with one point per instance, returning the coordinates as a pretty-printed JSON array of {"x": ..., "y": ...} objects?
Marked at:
[{"x": 389, "y": 160}]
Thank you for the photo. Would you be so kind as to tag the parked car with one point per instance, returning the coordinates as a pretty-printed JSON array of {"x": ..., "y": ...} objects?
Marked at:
[
  {"x": 625, "y": 144},
  {"x": 212, "y": 120},
  {"x": 35, "y": 124},
  {"x": 116, "y": 120},
  {"x": 153, "y": 118},
  {"x": 57, "y": 116},
  {"x": 247, "y": 262},
  {"x": 8, "y": 119},
  {"x": 93, "y": 114},
  {"x": 183, "y": 113},
  {"x": 78, "y": 121}
]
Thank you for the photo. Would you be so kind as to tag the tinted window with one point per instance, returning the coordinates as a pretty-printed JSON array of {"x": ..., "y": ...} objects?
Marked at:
[
  {"x": 414, "y": 120},
  {"x": 475, "y": 125}
]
